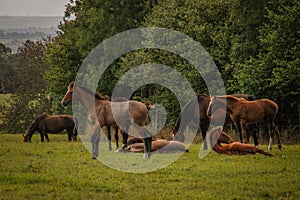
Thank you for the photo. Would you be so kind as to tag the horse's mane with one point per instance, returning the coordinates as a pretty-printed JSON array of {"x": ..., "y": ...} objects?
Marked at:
[
  {"x": 35, "y": 122},
  {"x": 201, "y": 97},
  {"x": 97, "y": 95},
  {"x": 228, "y": 97},
  {"x": 245, "y": 96}
]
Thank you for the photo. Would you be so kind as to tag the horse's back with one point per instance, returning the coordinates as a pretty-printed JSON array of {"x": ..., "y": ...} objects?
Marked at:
[{"x": 270, "y": 106}]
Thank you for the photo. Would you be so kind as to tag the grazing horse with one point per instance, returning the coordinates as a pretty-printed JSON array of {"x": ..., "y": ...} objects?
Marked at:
[
  {"x": 109, "y": 113},
  {"x": 196, "y": 109},
  {"x": 160, "y": 146},
  {"x": 218, "y": 116},
  {"x": 45, "y": 124},
  {"x": 245, "y": 112},
  {"x": 216, "y": 136}
]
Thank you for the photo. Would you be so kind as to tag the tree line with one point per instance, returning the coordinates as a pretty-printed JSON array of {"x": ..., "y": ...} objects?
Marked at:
[{"x": 255, "y": 45}]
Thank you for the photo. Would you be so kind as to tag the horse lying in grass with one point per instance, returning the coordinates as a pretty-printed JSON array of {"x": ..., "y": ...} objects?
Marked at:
[
  {"x": 216, "y": 136},
  {"x": 160, "y": 146},
  {"x": 45, "y": 124}
]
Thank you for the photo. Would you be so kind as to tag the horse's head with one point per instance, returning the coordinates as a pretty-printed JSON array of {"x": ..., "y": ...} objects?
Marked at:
[
  {"x": 27, "y": 138},
  {"x": 217, "y": 135},
  {"x": 68, "y": 96},
  {"x": 224, "y": 138}
]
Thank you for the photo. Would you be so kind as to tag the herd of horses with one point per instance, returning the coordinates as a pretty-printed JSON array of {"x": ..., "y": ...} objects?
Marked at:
[{"x": 244, "y": 110}]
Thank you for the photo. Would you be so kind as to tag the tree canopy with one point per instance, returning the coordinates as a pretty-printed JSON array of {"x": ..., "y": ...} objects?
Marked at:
[{"x": 255, "y": 45}]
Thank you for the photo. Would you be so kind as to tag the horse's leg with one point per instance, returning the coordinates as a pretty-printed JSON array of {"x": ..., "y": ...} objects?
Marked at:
[
  {"x": 95, "y": 142},
  {"x": 75, "y": 134},
  {"x": 255, "y": 134},
  {"x": 42, "y": 136},
  {"x": 243, "y": 127},
  {"x": 275, "y": 129},
  {"x": 47, "y": 138},
  {"x": 147, "y": 148},
  {"x": 252, "y": 131},
  {"x": 109, "y": 138},
  {"x": 271, "y": 135},
  {"x": 203, "y": 131},
  {"x": 117, "y": 137},
  {"x": 70, "y": 134},
  {"x": 147, "y": 143},
  {"x": 238, "y": 126},
  {"x": 125, "y": 135}
]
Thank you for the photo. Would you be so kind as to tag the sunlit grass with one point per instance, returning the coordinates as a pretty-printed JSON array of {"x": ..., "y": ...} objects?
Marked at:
[{"x": 63, "y": 170}]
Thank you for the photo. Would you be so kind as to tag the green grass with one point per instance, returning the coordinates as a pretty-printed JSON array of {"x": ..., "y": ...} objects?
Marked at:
[{"x": 62, "y": 170}]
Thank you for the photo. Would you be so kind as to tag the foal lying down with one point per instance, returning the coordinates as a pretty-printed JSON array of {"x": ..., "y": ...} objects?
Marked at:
[
  {"x": 160, "y": 146},
  {"x": 234, "y": 148}
]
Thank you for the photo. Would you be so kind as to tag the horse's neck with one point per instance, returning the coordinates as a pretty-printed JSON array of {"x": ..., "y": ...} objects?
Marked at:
[
  {"x": 88, "y": 101},
  {"x": 231, "y": 104},
  {"x": 32, "y": 129},
  {"x": 218, "y": 147}
]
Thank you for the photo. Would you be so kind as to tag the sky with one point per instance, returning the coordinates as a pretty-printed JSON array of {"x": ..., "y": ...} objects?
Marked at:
[{"x": 32, "y": 7}]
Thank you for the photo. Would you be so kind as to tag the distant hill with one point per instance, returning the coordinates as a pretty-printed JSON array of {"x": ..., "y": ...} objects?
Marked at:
[
  {"x": 14, "y": 30},
  {"x": 19, "y": 22}
]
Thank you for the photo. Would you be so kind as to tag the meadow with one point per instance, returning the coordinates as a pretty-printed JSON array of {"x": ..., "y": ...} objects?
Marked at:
[{"x": 65, "y": 170}]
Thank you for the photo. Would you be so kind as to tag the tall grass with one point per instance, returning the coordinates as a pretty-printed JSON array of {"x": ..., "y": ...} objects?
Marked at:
[{"x": 62, "y": 170}]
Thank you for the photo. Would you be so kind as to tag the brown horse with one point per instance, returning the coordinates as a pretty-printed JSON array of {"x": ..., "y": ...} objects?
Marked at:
[
  {"x": 216, "y": 136},
  {"x": 109, "y": 113},
  {"x": 217, "y": 119},
  {"x": 245, "y": 112},
  {"x": 160, "y": 146},
  {"x": 45, "y": 124},
  {"x": 196, "y": 110}
]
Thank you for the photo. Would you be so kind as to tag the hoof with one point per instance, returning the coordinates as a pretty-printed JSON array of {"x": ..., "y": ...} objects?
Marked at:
[{"x": 147, "y": 156}]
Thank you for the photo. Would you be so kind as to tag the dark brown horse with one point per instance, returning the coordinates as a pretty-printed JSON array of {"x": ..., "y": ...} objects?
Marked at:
[
  {"x": 45, "y": 124},
  {"x": 196, "y": 110},
  {"x": 216, "y": 136},
  {"x": 109, "y": 113},
  {"x": 245, "y": 112}
]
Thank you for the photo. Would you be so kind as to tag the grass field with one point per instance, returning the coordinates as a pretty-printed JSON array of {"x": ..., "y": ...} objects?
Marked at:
[{"x": 62, "y": 170}]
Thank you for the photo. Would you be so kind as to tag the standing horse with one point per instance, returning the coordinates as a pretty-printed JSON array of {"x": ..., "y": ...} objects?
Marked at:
[
  {"x": 216, "y": 136},
  {"x": 245, "y": 112},
  {"x": 196, "y": 110},
  {"x": 45, "y": 124},
  {"x": 109, "y": 113},
  {"x": 218, "y": 116}
]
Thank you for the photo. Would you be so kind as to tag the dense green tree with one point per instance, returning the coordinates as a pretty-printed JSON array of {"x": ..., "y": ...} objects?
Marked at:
[
  {"x": 7, "y": 69},
  {"x": 30, "y": 98},
  {"x": 87, "y": 23},
  {"x": 255, "y": 45}
]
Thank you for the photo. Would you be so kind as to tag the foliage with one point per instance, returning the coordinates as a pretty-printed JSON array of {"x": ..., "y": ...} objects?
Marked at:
[
  {"x": 62, "y": 170},
  {"x": 7, "y": 69},
  {"x": 30, "y": 98},
  {"x": 94, "y": 21},
  {"x": 255, "y": 46}
]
